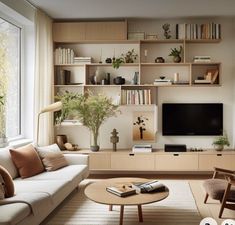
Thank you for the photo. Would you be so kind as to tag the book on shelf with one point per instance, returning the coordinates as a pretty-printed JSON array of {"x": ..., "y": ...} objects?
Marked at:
[
  {"x": 162, "y": 83},
  {"x": 146, "y": 187},
  {"x": 202, "y": 81},
  {"x": 201, "y": 59},
  {"x": 142, "y": 148},
  {"x": 136, "y": 97},
  {"x": 213, "y": 74},
  {"x": 121, "y": 190}
]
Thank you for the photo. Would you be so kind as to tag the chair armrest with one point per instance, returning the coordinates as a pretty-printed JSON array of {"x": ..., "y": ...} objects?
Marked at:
[
  {"x": 76, "y": 159},
  {"x": 223, "y": 170},
  {"x": 231, "y": 179}
]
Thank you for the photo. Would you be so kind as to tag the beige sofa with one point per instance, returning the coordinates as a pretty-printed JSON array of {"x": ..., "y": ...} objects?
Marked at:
[{"x": 36, "y": 197}]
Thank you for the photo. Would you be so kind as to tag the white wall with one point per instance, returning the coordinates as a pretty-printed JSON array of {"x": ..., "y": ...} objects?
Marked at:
[{"x": 221, "y": 52}]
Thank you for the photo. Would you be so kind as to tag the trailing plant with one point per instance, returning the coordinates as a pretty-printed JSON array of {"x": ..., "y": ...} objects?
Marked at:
[{"x": 117, "y": 62}]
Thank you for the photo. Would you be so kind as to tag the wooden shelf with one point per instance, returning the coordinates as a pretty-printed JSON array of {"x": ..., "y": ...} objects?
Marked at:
[
  {"x": 206, "y": 41},
  {"x": 73, "y": 64},
  {"x": 205, "y": 63},
  {"x": 69, "y": 85},
  {"x": 100, "y": 42},
  {"x": 163, "y": 41},
  {"x": 206, "y": 85},
  {"x": 165, "y": 64},
  {"x": 110, "y": 64},
  {"x": 100, "y": 85}
]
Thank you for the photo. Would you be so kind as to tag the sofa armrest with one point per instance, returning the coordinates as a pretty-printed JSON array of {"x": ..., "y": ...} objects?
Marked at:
[{"x": 76, "y": 159}]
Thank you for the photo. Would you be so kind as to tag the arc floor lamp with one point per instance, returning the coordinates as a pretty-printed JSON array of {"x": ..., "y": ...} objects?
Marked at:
[{"x": 50, "y": 108}]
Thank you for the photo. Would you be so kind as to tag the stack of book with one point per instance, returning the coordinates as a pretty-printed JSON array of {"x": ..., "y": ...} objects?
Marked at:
[
  {"x": 142, "y": 148},
  {"x": 136, "y": 97},
  {"x": 151, "y": 186},
  {"x": 162, "y": 82},
  {"x": 198, "y": 59},
  {"x": 198, "y": 31},
  {"x": 121, "y": 190},
  {"x": 63, "y": 56},
  {"x": 82, "y": 60}
]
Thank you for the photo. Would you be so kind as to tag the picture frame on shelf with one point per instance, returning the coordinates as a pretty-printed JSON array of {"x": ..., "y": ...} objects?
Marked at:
[
  {"x": 136, "y": 35},
  {"x": 151, "y": 37}
]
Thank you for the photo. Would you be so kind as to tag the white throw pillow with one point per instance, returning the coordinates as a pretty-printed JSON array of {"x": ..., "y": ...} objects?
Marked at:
[{"x": 54, "y": 148}]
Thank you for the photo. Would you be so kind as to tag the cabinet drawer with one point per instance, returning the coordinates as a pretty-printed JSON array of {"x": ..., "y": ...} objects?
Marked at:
[
  {"x": 176, "y": 162},
  {"x": 208, "y": 162},
  {"x": 99, "y": 161},
  {"x": 132, "y": 161}
]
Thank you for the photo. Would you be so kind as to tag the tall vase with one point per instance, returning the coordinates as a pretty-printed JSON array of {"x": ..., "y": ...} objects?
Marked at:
[{"x": 94, "y": 141}]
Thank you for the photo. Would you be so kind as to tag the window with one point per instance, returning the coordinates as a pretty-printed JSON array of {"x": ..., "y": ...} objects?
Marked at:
[{"x": 10, "y": 55}]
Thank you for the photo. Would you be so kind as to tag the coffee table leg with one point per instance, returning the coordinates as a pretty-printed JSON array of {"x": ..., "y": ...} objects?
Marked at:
[
  {"x": 110, "y": 207},
  {"x": 121, "y": 214},
  {"x": 140, "y": 213}
]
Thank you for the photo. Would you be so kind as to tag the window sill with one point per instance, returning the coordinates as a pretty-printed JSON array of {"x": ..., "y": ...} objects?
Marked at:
[{"x": 19, "y": 143}]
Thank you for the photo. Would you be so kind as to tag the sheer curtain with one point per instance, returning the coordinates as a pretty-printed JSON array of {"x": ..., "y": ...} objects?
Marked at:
[{"x": 43, "y": 76}]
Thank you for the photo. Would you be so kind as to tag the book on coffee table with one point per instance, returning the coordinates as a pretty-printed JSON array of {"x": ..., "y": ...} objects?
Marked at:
[
  {"x": 151, "y": 186},
  {"x": 121, "y": 190}
]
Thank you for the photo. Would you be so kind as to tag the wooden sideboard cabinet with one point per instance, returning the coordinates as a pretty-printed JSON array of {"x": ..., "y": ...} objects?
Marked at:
[{"x": 100, "y": 161}]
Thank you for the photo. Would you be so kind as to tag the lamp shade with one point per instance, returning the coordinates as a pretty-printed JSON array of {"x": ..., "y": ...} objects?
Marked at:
[{"x": 52, "y": 108}]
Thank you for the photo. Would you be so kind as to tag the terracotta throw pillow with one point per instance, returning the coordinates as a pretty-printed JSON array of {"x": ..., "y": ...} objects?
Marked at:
[
  {"x": 7, "y": 183},
  {"x": 53, "y": 161},
  {"x": 27, "y": 161}
]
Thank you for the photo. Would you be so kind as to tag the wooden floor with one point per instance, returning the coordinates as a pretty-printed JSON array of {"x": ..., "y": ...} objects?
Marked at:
[{"x": 211, "y": 209}]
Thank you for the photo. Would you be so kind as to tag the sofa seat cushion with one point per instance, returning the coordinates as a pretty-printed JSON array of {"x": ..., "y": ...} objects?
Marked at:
[
  {"x": 57, "y": 190},
  {"x": 216, "y": 188},
  {"x": 14, "y": 213},
  {"x": 70, "y": 173}
]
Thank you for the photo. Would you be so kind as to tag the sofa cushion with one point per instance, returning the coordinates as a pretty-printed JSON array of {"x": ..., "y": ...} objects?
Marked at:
[
  {"x": 7, "y": 182},
  {"x": 48, "y": 148},
  {"x": 7, "y": 163},
  {"x": 27, "y": 161},
  {"x": 53, "y": 161},
  {"x": 14, "y": 213}
]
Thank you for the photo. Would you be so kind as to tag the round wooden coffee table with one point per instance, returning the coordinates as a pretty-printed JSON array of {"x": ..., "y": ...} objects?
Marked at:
[{"x": 97, "y": 193}]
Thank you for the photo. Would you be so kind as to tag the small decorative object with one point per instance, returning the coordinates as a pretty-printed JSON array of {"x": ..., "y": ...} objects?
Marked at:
[
  {"x": 107, "y": 77},
  {"x": 145, "y": 55},
  {"x": 143, "y": 126},
  {"x": 108, "y": 60},
  {"x": 117, "y": 62},
  {"x": 71, "y": 147},
  {"x": 166, "y": 28},
  {"x": 176, "y": 54},
  {"x": 100, "y": 56},
  {"x": 119, "y": 80},
  {"x": 114, "y": 139},
  {"x": 136, "y": 35},
  {"x": 162, "y": 77},
  {"x": 98, "y": 76},
  {"x": 220, "y": 142},
  {"x": 159, "y": 60},
  {"x": 151, "y": 37},
  {"x": 91, "y": 110},
  {"x": 135, "y": 78},
  {"x": 176, "y": 77},
  {"x": 61, "y": 140}
]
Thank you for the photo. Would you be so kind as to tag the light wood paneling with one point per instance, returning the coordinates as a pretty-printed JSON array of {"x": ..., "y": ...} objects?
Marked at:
[
  {"x": 68, "y": 32},
  {"x": 99, "y": 161},
  {"x": 132, "y": 161},
  {"x": 106, "y": 31},
  {"x": 207, "y": 162},
  {"x": 176, "y": 162}
]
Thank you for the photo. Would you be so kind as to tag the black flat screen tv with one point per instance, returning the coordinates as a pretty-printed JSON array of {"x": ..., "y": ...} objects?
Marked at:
[{"x": 192, "y": 119}]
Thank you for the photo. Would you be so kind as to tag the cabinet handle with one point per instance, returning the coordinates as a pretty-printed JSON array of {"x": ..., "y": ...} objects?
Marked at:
[
  {"x": 175, "y": 154},
  {"x": 131, "y": 154},
  {"x": 219, "y": 154}
]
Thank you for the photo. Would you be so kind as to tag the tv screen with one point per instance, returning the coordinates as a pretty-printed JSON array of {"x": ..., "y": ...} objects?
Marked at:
[{"x": 192, "y": 119}]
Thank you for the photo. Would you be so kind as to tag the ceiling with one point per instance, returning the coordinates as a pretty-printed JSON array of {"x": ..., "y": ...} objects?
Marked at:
[{"x": 102, "y": 9}]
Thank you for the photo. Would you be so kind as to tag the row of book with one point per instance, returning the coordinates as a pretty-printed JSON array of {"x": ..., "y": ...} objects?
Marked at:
[
  {"x": 142, "y": 148},
  {"x": 67, "y": 56},
  {"x": 198, "y": 31},
  {"x": 136, "y": 97},
  {"x": 123, "y": 190}
]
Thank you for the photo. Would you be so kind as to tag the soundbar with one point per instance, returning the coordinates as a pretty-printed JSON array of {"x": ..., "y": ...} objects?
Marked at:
[{"x": 175, "y": 148}]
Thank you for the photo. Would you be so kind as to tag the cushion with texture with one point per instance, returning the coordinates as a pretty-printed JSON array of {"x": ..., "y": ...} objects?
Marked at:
[
  {"x": 49, "y": 148},
  {"x": 53, "y": 160},
  {"x": 27, "y": 161},
  {"x": 7, "y": 183}
]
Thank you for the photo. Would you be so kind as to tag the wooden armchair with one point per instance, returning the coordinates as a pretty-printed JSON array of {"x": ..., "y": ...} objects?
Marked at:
[{"x": 221, "y": 189}]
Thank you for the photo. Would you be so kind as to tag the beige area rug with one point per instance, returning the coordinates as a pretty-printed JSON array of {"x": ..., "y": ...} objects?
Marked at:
[{"x": 178, "y": 209}]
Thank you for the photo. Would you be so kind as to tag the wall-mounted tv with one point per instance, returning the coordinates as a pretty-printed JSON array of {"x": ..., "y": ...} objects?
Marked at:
[{"x": 192, "y": 119}]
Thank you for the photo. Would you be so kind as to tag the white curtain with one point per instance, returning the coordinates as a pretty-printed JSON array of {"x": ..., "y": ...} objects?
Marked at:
[{"x": 43, "y": 77}]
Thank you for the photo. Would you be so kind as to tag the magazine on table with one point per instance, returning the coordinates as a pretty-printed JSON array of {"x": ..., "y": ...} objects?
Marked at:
[
  {"x": 121, "y": 190},
  {"x": 151, "y": 186}
]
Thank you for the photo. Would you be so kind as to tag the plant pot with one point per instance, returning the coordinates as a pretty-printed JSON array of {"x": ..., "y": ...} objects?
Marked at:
[
  {"x": 177, "y": 59},
  {"x": 94, "y": 142},
  {"x": 3, "y": 142},
  {"x": 219, "y": 147}
]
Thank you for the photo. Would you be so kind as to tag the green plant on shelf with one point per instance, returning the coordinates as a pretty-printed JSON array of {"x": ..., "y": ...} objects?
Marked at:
[
  {"x": 221, "y": 141},
  {"x": 117, "y": 62},
  {"x": 176, "y": 54}
]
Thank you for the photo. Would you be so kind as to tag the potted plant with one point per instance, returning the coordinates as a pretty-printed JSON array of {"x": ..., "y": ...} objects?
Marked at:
[
  {"x": 129, "y": 57},
  {"x": 91, "y": 110},
  {"x": 176, "y": 54},
  {"x": 3, "y": 139},
  {"x": 220, "y": 142}
]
